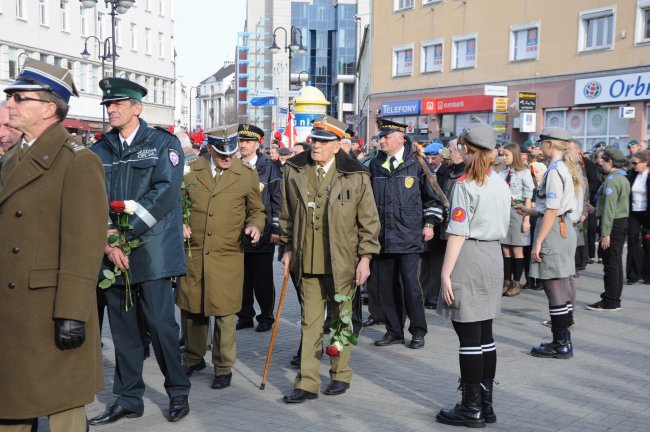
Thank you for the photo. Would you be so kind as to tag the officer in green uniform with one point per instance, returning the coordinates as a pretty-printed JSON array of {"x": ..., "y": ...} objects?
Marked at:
[
  {"x": 613, "y": 209},
  {"x": 226, "y": 205},
  {"x": 329, "y": 227}
]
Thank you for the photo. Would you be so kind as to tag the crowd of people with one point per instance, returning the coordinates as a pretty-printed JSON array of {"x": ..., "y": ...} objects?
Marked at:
[{"x": 144, "y": 222}]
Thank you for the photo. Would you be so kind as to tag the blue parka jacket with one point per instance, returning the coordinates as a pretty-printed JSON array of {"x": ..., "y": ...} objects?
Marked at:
[
  {"x": 150, "y": 172},
  {"x": 405, "y": 202},
  {"x": 270, "y": 182}
]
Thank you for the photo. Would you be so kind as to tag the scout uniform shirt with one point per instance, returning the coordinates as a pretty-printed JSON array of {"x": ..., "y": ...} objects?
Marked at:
[
  {"x": 480, "y": 212},
  {"x": 520, "y": 183},
  {"x": 613, "y": 200},
  {"x": 556, "y": 190},
  {"x": 317, "y": 258}
]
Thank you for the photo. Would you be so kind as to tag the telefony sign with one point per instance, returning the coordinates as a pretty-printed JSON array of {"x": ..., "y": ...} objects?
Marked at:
[{"x": 614, "y": 88}]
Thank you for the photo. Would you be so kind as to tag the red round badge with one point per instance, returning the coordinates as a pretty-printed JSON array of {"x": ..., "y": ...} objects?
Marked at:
[{"x": 458, "y": 214}]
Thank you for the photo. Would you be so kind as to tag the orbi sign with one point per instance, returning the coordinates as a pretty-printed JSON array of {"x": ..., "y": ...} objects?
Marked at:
[{"x": 615, "y": 88}]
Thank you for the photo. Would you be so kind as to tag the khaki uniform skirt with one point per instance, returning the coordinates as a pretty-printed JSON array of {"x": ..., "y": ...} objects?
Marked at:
[
  {"x": 515, "y": 237},
  {"x": 476, "y": 281},
  {"x": 557, "y": 253}
]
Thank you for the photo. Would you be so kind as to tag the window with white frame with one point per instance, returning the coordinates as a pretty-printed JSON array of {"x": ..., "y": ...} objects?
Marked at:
[
  {"x": 161, "y": 45},
  {"x": 83, "y": 14},
  {"x": 161, "y": 7},
  {"x": 20, "y": 10},
  {"x": 596, "y": 29},
  {"x": 403, "y": 60},
  {"x": 147, "y": 5},
  {"x": 63, "y": 15},
  {"x": 147, "y": 40},
  {"x": 402, "y": 4},
  {"x": 463, "y": 53},
  {"x": 133, "y": 37},
  {"x": 42, "y": 13},
  {"x": 642, "y": 28},
  {"x": 99, "y": 26},
  {"x": 524, "y": 42},
  {"x": 431, "y": 56},
  {"x": 118, "y": 32}
]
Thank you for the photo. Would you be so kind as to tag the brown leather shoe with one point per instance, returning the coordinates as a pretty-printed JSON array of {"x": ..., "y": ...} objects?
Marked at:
[
  {"x": 506, "y": 287},
  {"x": 514, "y": 290}
]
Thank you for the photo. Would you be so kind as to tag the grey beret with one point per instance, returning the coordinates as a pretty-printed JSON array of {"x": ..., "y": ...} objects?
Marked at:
[
  {"x": 481, "y": 135},
  {"x": 554, "y": 133}
]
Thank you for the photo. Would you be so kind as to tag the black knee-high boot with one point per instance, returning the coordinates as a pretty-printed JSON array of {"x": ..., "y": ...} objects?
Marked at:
[
  {"x": 486, "y": 400},
  {"x": 469, "y": 412}
]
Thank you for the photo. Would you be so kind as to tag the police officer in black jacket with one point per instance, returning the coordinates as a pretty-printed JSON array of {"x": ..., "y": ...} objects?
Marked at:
[
  {"x": 258, "y": 258},
  {"x": 408, "y": 209},
  {"x": 144, "y": 165}
]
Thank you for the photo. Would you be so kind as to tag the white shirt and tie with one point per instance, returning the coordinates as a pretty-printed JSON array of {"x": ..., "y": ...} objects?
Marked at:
[{"x": 126, "y": 142}]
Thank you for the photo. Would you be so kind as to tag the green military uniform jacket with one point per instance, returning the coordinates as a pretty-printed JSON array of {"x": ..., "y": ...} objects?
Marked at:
[
  {"x": 613, "y": 200},
  {"x": 352, "y": 219},
  {"x": 221, "y": 209},
  {"x": 52, "y": 235}
]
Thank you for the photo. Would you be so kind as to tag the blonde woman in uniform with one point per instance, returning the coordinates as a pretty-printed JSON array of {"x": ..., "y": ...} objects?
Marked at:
[
  {"x": 472, "y": 275},
  {"x": 553, "y": 252}
]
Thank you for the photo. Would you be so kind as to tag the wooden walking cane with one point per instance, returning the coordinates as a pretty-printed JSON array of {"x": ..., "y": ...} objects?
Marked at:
[{"x": 275, "y": 327}]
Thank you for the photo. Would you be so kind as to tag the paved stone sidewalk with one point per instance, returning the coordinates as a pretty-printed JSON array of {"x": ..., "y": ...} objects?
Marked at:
[{"x": 604, "y": 387}]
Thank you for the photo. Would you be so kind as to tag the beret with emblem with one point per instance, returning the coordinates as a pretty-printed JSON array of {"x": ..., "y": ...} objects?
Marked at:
[
  {"x": 40, "y": 76},
  {"x": 224, "y": 139},
  {"x": 554, "y": 133},
  {"x": 248, "y": 132},
  {"x": 326, "y": 128},
  {"x": 387, "y": 127},
  {"x": 119, "y": 89}
]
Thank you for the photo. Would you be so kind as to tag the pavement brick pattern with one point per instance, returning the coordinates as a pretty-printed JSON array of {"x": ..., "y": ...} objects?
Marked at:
[{"x": 604, "y": 387}]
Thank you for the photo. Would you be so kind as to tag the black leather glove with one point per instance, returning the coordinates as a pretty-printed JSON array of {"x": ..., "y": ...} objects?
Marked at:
[{"x": 69, "y": 334}]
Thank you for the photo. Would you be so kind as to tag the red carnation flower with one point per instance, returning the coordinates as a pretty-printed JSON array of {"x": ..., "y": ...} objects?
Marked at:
[
  {"x": 117, "y": 206},
  {"x": 646, "y": 237},
  {"x": 332, "y": 351}
]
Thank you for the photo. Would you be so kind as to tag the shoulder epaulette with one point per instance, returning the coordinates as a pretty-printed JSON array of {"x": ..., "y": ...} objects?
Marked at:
[
  {"x": 74, "y": 146},
  {"x": 193, "y": 161},
  {"x": 247, "y": 165}
]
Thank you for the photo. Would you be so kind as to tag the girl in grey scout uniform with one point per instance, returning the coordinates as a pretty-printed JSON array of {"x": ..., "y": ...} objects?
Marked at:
[
  {"x": 518, "y": 178},
  {"x": 472, "y": 274},
  {"x": 553, "y": 252}
]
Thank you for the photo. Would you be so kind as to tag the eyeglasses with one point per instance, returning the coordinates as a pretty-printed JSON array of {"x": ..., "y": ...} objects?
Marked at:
[{"x": 19, "y": 98}]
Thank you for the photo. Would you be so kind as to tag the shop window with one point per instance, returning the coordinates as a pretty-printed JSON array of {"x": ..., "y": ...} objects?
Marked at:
[
  {"x": 591, "y": 127},
  {"x": 642, "y": 28},
  {"x": 463, "y": 53},
  {"x": 596, "y": 30},
  {"x": 402, "y": 4},
  {"x": 524, "y": 42},
  {"x": 403, "y": 60},
  {"x": 555, "y": 118},
  {"x": 431, "y": 56}
]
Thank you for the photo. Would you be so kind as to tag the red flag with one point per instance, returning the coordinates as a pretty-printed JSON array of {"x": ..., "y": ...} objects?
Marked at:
[{"x": 289, "y": 132}]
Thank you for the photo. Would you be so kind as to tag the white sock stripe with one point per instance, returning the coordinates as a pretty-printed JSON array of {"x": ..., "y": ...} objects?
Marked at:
[
  {"x": 470, "y": 350},
  {"x": 488, "y": 346}
]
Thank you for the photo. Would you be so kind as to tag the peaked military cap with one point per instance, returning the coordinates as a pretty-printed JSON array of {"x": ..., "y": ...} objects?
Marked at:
[
  {"x": 249, "y": 132},
  {"x": 223, "y": 139},
  {"x": 119, "y": 89},
  {"x": 326, "y": 128},
  {"x": 554, "y": 133},
  {"x": 388, "y": 126},
  {"x": 480, "y": 135},
  {"x": 39, "y": 76},
  {"x": 349, "y": 132}
]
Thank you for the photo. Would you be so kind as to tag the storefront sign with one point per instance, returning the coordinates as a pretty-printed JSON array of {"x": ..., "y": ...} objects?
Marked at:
[
  {"x": 527, "y": 101},
  {"x": 407, "y": 107},
  {"x": 500, "y": 105},
  {"x": 456, "y": 104},
  {"x": 493, "y": 90},
  {"x": 527, "y": 122},
  {"x": 615, "y": 88},
  {"x": 626, "y": 112}
]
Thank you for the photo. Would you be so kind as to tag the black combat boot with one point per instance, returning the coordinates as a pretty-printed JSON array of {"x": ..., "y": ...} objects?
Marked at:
[
  {"x": 560, "y": 348},
  {"x": 468, "y": 412},
  {"x": 486, "y": 400}
]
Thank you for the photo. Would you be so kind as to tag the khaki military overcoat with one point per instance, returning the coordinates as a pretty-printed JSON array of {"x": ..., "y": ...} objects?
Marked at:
[
  {"x": 52, "y": 234},
  {"x": 353, "y": 221},
  {"x": 220, "y": 211}
]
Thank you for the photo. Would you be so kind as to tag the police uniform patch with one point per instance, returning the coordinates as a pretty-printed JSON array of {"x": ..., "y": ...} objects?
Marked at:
[
  {"x": 261, "y": 186},
  {"x": 551, "y": 195},
  {"x": 408, "y": 182},
  {"x": 608, "y": 191},
  {"x": 174, "y": 158},
  {"x": 458, "y": 214}
]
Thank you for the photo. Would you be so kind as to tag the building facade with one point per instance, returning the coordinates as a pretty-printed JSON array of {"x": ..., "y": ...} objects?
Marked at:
[
  {"x": 582, "y": 65},
  {"x": 56, "y": 31},
  {"x": 215, "y": 99}
]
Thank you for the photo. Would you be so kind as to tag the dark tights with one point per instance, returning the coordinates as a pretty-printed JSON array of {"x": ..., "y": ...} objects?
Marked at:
[
  {"x": 560, "y": 306},
  {"x": 477, "y": 354}
]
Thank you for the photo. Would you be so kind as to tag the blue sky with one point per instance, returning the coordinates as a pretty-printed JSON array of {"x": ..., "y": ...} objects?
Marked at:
[{"x": 205, "y": 35}]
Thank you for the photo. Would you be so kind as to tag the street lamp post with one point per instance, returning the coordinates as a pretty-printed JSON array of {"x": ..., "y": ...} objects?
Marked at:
[
  {"x": 117, "y": 7},
  {"x": 295, "y": 45},
  {"x": 103, "y": 55},
  {"x": 197, "y": 95},
  {"x": 306, "y": 81}
]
